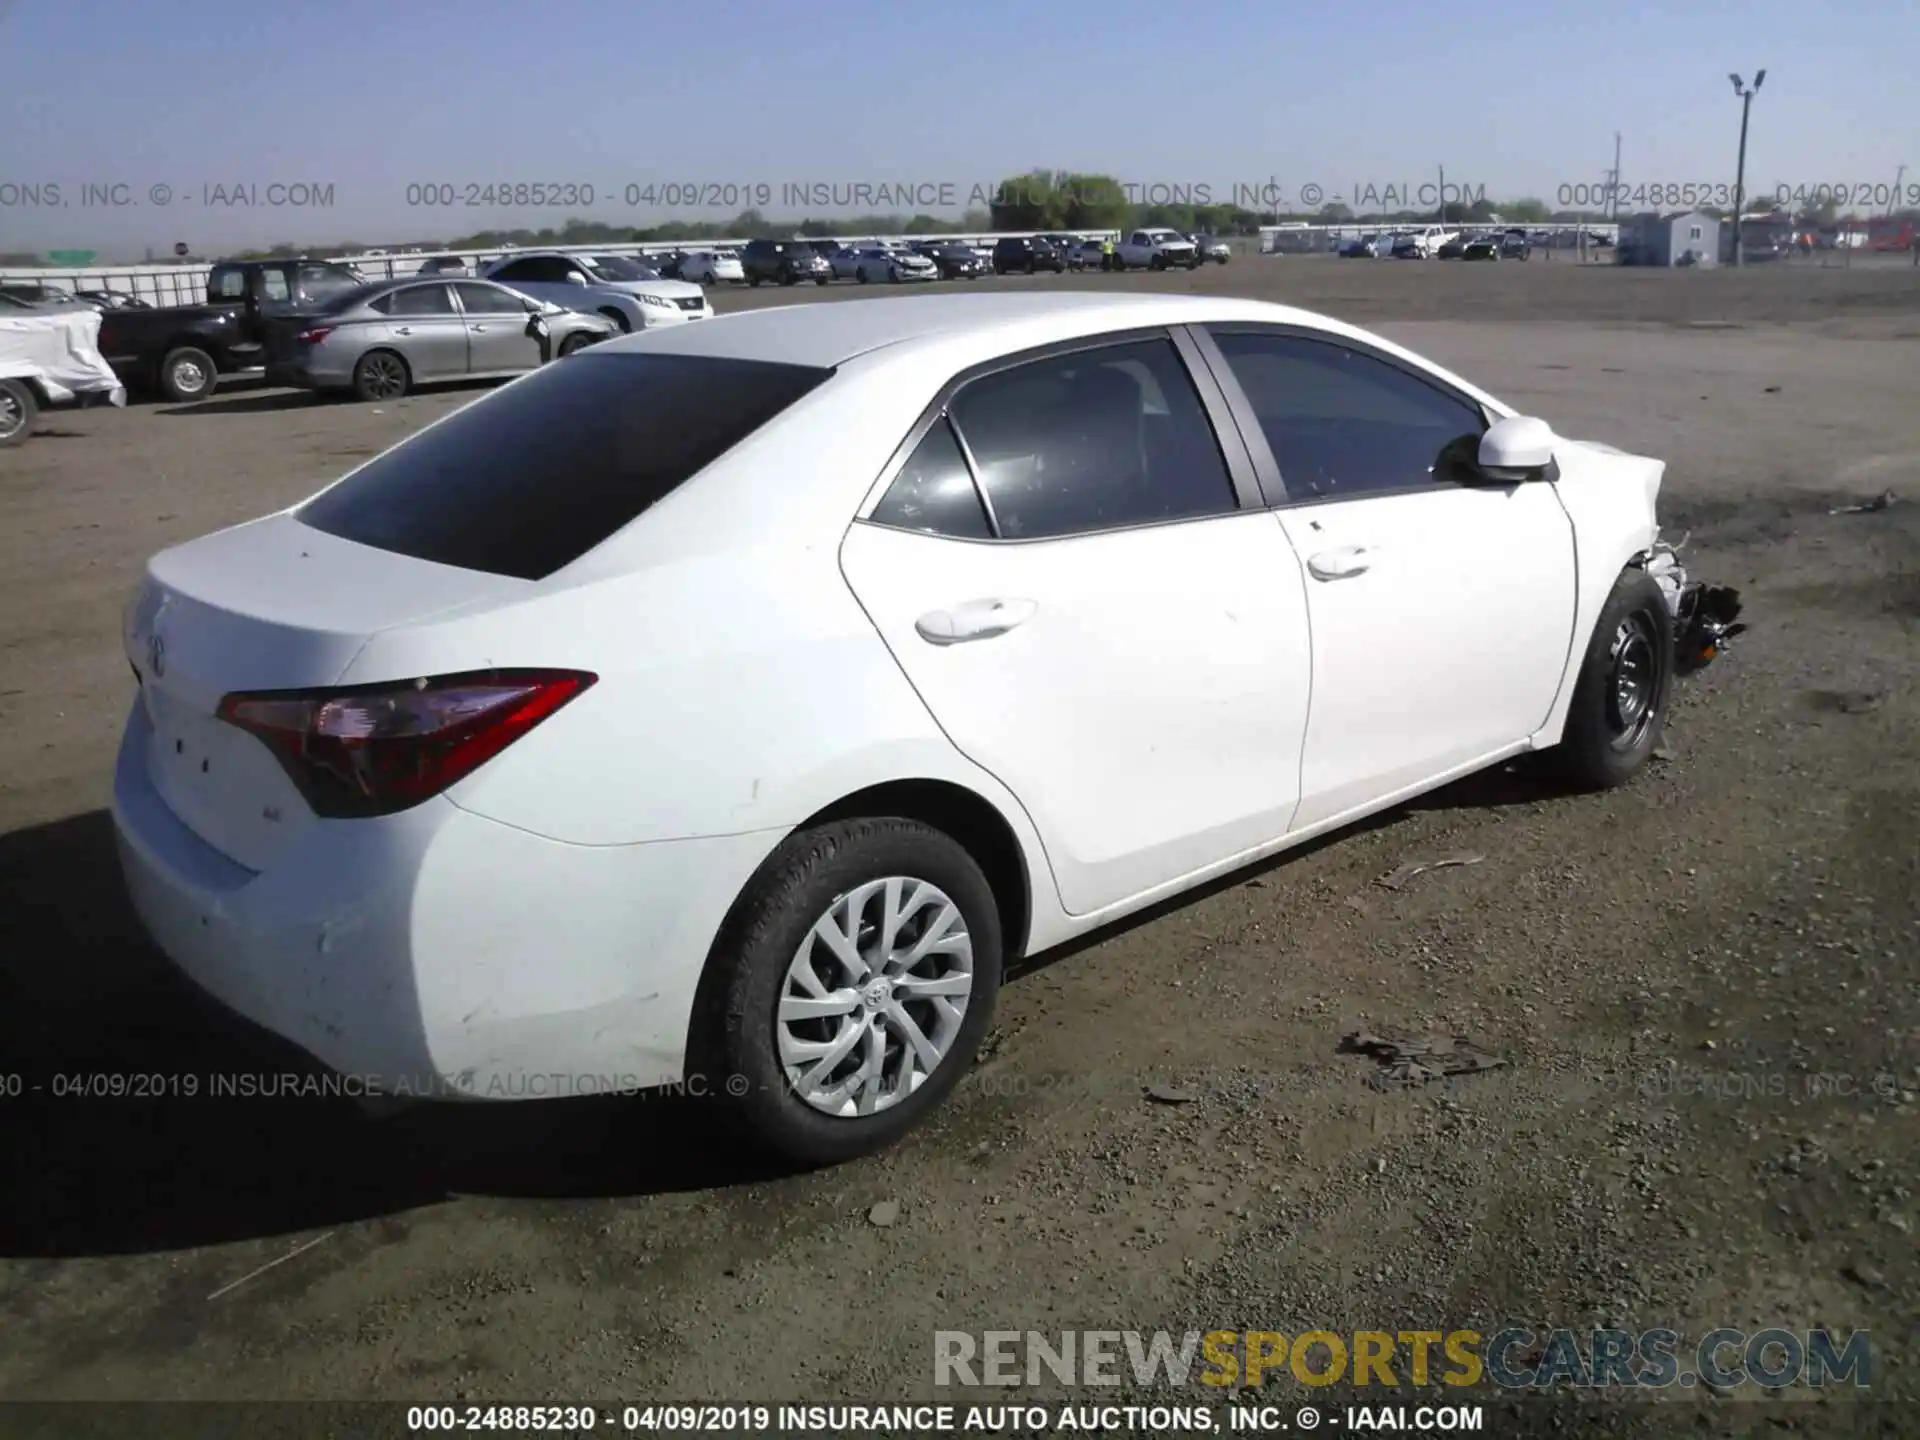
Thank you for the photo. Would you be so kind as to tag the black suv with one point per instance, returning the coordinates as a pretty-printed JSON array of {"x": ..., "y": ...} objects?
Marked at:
[
  {"x": 1024, "y": 254},
  {"x": 784, "y": 262}
]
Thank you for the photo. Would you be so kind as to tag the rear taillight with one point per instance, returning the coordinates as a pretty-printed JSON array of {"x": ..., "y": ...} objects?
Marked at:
[
  {"x": 377, "y": 749},
  {"x": 314, "y": 334}
]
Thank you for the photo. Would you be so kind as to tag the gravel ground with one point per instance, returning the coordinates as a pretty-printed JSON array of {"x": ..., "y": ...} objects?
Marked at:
[{"x": 1705, "y": 985}]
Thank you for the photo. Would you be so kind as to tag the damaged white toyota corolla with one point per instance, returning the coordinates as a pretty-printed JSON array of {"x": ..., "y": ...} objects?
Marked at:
[{"x": 732, "y": 702}]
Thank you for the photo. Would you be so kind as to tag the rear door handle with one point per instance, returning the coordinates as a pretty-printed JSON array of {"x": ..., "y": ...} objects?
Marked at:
[
  {"x": 479, "y": 327},
  {"x": 1341, "y": 564},
  {"x": 403, "y": 329},
  {"x": 975, "y": 620}
]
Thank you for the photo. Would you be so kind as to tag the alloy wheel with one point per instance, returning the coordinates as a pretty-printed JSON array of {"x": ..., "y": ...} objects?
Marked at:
[{"x": 874, "y": 997}]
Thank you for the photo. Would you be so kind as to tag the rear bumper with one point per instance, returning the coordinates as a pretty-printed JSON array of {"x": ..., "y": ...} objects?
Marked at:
[{"x": 436, "y": 953}]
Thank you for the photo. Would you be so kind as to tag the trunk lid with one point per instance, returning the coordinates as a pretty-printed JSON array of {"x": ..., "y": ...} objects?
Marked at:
[{"x": 271, "y": 605}]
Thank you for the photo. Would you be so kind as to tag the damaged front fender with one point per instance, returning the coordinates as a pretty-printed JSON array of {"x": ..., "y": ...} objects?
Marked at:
[{"x": 1705, "y": 616}]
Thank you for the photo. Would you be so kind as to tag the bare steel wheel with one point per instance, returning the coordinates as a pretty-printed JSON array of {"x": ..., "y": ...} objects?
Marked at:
[
  {"x": 875, "y": 996},
  {"x": 1626, "y": 680},
  {"x": 851, "y": 987},
  {"x": 1634, "y": 679}
]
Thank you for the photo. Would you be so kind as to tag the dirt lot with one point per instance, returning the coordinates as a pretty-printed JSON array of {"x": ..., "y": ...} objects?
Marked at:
[{"x": 1707, "y": 985}]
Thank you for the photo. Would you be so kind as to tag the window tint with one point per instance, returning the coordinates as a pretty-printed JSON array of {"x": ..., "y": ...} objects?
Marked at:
[
  {"x": 381, "y": 303},
  {"x": 490, "y": 300},
  {"x": 273, "y": 285},
  {"x": 535, "y": 475},
  {"x": 935, "y": 491},
  {"x": 1093, "y": 440},
  {"x": 228, "y": 285},
  {"x": 1340, "y": 422},
  {"x": 422, "y": 300}
]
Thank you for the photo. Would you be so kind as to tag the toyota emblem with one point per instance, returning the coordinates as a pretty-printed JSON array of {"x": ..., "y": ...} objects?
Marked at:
[{"x": 156, "y": 655}]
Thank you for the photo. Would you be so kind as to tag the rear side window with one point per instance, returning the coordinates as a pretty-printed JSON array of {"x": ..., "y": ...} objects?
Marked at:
[
  {"x": 935, "y": 492},
  {"x": 1093, "y": 440},
  {"x": 531, "y": 478}
]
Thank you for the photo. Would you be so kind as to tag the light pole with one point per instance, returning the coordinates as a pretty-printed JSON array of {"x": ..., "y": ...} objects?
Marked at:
[{"x": 1740, "y": 171}]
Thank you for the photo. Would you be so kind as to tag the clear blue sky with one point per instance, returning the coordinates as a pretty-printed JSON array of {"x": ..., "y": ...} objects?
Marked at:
[{"x": 372, "y": 95}]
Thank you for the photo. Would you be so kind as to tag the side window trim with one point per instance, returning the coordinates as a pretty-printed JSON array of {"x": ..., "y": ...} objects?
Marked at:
[
  {"x": 1267, "y": 470},
  {"x": 1241, "y": 469},
  {"x": 973, "y": 471}
]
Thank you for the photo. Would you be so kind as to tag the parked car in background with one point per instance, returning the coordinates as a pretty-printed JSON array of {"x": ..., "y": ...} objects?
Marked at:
[
  {"x": 1454, "y": 249},
  {"x": 184, "y": 351},
  {"x": 499, "y": 664},
  {"x": 112, "y": 300},
  {"x": 784, "y": 262},
  {"x": 1091, "y": 255},
  {"x": 1213, "y": 248},
  {"x": 49, "y": 356},
  {"x": 387, "y": 339},
  {"x": 33, "y": 293},
  {"x": 845, "y": 261},
  {"x": 893, "y": 266},
  {"x": 443, "y": 265},
  {"x": 624, "y": 291},
  {"x": 1514, "y": 245},
  {"x": 956, "y": 262},
  {"x": 1366, "y": 247},
  {"x": 712, "y": 267},
  {"x": 1156, "y": 248},
  {"x": 1027, "y": 255},
  {"x": 1480, "y": 247}
]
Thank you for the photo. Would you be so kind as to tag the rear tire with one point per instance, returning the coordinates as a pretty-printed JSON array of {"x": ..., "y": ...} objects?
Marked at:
[
  {"x": 187, "y": 374},
  {"x": 1625, "y": 684},
  {"x": 18, "y": 408},
  {"x": 381, "y": 375},
  {"x": 759, "y": 1061}
]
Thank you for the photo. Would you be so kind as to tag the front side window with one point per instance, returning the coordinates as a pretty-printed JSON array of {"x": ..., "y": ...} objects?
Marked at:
[
  {"x": 1093, "y": 440},
  {"x": 489, "y": 300},
  {"x": 1341, "y": 422}
]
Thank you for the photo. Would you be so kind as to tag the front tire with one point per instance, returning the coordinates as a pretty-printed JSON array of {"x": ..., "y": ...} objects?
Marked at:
[
  {"x": 1625, "y": 684},
  {"x": 626, "y": 325},
  {"x": 822, "y": 1059},
  {"x": 574, "y": 344}
]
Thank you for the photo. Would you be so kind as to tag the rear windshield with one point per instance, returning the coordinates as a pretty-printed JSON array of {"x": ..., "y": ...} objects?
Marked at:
[{"x": 528, "y": 480}]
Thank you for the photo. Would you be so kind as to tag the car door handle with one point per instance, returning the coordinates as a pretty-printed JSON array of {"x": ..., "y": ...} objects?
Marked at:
[
  {"x": 1341, "y": 564},
  {"x": 403, "y": 329},
  {"x": 975, "y": 620},
  {"x": 479, "y": 327}
]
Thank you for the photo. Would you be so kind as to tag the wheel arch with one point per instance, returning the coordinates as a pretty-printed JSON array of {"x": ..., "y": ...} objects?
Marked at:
[{"x": 972, "y": 820}]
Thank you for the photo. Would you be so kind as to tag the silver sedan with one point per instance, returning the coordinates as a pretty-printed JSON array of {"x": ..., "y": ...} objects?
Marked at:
[{"x": 383, "y": 340}]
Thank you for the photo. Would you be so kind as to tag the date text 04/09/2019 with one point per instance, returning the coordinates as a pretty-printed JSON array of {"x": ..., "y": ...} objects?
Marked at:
[{"x": 840, "y": 1420}]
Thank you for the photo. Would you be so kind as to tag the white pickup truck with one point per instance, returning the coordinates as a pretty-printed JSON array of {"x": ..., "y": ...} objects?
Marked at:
[{"x": 1156, "y": 249}]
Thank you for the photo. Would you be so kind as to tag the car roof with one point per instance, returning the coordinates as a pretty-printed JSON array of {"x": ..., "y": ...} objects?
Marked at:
[{"x": 830, "y": 333}]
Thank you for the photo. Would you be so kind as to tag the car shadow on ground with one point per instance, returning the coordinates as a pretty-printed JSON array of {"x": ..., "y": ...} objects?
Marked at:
[
  {"x": 107, "y": 1152},
  {"x": 86, "y": 1003},
  {"x": 256, "y": 403}
]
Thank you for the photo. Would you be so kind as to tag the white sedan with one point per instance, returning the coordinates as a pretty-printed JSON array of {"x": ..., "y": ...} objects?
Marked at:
[
  {"x": 888, "y": 265},
  {"x": 730, "y": 704},
  {"x": 712, "y": 267}
]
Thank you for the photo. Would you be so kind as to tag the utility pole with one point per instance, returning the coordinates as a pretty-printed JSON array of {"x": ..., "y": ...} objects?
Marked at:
[
  {"x": 1898, "y": 176},
  {"x": 1613, "y": 190},
  {"x": 1443, "y": 195},
  {"x": 1740, "y": 171}
]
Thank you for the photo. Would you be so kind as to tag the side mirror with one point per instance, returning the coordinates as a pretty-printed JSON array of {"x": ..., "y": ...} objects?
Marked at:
[{"x": 1517, "y": 448}]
